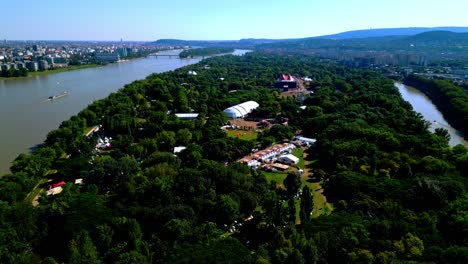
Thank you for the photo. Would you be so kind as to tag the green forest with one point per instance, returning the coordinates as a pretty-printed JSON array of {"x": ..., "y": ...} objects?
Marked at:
[
  {"x": 398, "y": 191},
  {"x": 204, "y": 52},
  {"x": 22, "y": 72}
]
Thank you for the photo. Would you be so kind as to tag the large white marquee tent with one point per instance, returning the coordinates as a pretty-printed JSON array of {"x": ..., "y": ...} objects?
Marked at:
[{"x": 241, "y": 110}]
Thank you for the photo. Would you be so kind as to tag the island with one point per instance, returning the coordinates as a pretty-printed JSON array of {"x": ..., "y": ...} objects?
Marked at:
[
  {"x": 215, "y": 167},
  {"x": 205, "y": 52}
]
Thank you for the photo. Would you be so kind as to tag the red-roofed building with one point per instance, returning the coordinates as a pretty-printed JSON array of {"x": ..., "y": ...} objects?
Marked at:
[
  {"x": 286, "y": 82},
  {"x": 58, "y": 184}
]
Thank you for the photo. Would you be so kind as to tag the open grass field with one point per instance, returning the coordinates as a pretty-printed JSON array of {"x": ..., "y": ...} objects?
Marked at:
[{"x": 242, "y": 134}]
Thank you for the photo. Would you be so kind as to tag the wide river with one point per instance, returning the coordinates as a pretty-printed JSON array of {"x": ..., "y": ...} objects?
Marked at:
[
  {"x": 422, "y": 104},
  {"x": 27, "y": 116}
]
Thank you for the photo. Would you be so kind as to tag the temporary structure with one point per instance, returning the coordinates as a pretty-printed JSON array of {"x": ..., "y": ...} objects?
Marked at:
[
  {"x": 241, "y": 110},
  {"x": 288, "y": 159}
]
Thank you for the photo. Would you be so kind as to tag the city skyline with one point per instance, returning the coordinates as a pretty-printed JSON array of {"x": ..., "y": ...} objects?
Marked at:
[{"x": 146, "y": 20}]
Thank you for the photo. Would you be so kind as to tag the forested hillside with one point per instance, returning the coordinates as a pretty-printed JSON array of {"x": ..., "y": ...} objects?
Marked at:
[
  {"x": 435, "y": 45},
  {"x": 398, "y": 191}
]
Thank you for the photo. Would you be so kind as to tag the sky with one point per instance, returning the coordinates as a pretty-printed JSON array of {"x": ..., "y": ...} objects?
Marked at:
[{"x": 148, "y": 20}]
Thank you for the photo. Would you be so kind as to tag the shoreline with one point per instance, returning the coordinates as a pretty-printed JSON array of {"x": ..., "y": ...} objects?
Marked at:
[
  {"x": 58, "y": 70},
  {"x": 65, "y": 69},
  {"x": 459, "y": 136}
]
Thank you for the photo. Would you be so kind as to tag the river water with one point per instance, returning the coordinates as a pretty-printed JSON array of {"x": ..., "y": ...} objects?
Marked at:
[
  {"x": 422, "y": 104},
  {"x": 27, "y": 116}
]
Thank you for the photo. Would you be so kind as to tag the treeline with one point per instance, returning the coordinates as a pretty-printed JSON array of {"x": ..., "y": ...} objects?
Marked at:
[
  {"x": 450, "y": 99},
  {"x": 399, "y": 191},
  {"x": 205, "y": 51},
  {"x": 22, "y": 72}
]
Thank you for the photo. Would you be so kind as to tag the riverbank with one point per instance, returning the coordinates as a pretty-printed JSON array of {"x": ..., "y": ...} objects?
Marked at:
[
  {"x": 451, "y": 100},
  {"x": 69, "y": 68},
  {"x": 423, "y": 105},
  {"x": 58, "y": 70}
]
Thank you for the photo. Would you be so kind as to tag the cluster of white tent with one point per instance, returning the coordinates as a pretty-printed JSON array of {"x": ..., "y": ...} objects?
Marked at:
[
  {"x": 267, "y": 155},
  {"x": 241, "y": 110},
  {"x": 103, "y": 144}
]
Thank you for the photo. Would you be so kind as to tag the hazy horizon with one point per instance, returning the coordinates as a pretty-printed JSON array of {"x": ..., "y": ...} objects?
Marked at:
[
  {"x": 144, "y": 41},
  {"x": 147, "y": 20}
]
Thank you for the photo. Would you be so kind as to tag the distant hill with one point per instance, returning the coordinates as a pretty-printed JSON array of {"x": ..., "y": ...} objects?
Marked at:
[
  {"x": 438, "y": 36},
  {"x": 382, "y": 32},
  {"x": 438, "y": 44},
  {"x": 445, "y": 39},
  {"x": 242, "y": 43},
  {"x": 355, "y": 34}
]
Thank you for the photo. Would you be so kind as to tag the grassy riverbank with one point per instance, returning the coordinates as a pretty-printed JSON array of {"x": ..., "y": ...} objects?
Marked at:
[{"x": 39, "y": 73}]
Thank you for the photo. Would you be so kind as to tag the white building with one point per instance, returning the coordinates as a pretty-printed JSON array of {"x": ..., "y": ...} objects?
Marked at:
[{"x": 241, "y": 110}]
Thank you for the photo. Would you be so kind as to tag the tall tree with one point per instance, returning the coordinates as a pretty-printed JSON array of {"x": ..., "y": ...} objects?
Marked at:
[
  {"x": 307, "y": 204},
  {"x": 292, "y": 182},
  {"x": 82, "y": 250},
  {"x": 292, "y": 209}
]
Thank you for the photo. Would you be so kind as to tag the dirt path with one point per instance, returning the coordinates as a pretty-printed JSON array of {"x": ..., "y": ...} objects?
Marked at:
[{"x": 35, "y": 194}]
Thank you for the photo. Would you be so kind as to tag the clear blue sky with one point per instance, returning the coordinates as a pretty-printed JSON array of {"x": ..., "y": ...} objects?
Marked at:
[{"x": 216, "y": 19}]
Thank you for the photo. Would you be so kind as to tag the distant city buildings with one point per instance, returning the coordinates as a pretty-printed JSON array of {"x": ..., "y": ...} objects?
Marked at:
[
  {"x": 122, "y": 52},
  {"x": 32, "y": 66},
  {"x": 19, "y": 65},
  {"x": 41, "y": 55},
  {"x": 58, "y": 60},
  {"x": 107, "y": 57},
  {"x": 43, "y": 65}
]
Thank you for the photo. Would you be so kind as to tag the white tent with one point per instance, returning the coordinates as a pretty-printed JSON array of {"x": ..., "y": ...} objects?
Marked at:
[
  {"x": 288, "y": 159},
  {"x": 241, "y": 110},
  {"x": 179, "y": 149},
  {"x": 187, "y": 116},
  {"x": 308, "y": 140}
]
